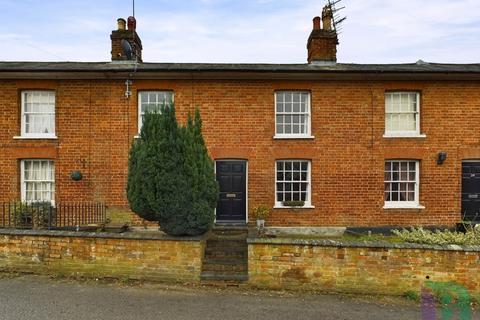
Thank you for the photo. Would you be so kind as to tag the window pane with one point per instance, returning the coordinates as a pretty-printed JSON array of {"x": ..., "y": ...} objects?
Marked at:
[
  {"x": 38, "y": 112},
  {"x": 280, "y": 107},
  {"x": 279, "y": 196},
  {"x": 288, "y": 165},
  {"x": 400, "y": 183},
  {"x": 293, "y": 107},
  {"x": 291, "y": 171},
  {"x": 401, "y": 111},
  {"x": 296, "y": 175},
  {"x": 279, "y": 165},
  {"x": 303, "y": 176},
  {"x": 38, "y": 180},
  {"x": 288, "y": 176},
  {"x": 279, "y": 176},
  {"x": 304, "y": 165}
]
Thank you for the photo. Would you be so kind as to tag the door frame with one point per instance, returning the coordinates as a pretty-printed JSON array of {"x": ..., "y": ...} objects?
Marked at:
[{"x": 246, "y": 182}]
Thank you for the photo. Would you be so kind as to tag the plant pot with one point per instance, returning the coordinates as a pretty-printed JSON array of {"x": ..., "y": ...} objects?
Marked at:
[{"x": 260, "y": 223}]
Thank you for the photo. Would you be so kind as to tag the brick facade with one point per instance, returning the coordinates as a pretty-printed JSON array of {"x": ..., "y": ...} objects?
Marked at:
[{"x": 96, "y": 125}]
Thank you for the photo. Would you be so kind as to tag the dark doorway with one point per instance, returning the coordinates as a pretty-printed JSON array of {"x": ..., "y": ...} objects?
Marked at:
[
  {"x": 232, "y": 178},
  {"x": 471, "y": 191}
]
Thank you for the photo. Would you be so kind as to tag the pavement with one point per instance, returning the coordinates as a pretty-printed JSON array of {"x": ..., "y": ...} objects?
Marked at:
[{"x": 35, "y": 297}]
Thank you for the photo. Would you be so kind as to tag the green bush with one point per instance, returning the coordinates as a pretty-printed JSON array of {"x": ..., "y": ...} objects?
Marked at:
[
  {"x": 171, "y": 177},
  {"x": 439, "y": 237}
]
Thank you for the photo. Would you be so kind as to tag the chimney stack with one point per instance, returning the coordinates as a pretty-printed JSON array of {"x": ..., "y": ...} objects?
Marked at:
[
  {"x": 129, "y": 35},
  {"x": 322, "y": 43}
]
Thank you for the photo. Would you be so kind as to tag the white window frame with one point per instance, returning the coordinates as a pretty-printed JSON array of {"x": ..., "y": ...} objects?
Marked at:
[
  {"x": 404, "y": 204},
  {"x": 23, "y": 188},
  {"x": 308, "y": 134},
  {"x": 139, "y": 103},
  {"x": 26, "y": 135},
  {"x": 404, "y": 134},
  {"x": 308, "y": 200}
]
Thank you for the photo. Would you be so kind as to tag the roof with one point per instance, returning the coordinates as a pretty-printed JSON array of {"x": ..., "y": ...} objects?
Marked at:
[
  {"x": 244, "y": 67},
  {"x": 225, "y": 70}
]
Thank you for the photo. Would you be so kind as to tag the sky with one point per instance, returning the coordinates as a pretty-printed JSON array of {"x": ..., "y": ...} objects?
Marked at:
[{"x": 241, "y": 31}]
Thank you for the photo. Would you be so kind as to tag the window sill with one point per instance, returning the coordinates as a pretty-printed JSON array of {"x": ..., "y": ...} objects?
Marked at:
[
  {"x": 277, "y": 137},
  {"x": 283, "y": 207},
  {"x": 399, "y": 206},
  {"x": 406, "y": 136},
  {"x": 35, "y": 137}
]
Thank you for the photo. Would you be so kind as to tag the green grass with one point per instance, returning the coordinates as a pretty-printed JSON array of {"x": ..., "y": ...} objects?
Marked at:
[
  {"x": 347, "y": 237},
  {"x": 371, "y": 238}
]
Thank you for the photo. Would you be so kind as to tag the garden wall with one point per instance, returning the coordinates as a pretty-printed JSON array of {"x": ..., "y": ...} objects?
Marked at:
[
  {"x": 125, "y": 256},
  {"x": 375, "y": 268}
]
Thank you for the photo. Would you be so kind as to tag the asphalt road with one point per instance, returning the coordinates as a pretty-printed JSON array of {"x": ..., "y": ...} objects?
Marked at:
[{"x": 41, "y": 298}]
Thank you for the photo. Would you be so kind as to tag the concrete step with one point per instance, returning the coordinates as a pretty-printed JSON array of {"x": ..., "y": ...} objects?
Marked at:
[
  {"x": 224, "y": 276},
  {"x": 226, "y": 248},
  {"x": 225, "y": 262},
  {"x": 217, "y": 268},
  {"x": 226, "y": 257},
  {"x": 224, "y": 243}
]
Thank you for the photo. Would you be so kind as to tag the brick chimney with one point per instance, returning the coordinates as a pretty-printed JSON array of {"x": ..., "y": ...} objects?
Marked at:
[
  {"x": 129, "y": 35},
  {"x": 322, "y": 43}
]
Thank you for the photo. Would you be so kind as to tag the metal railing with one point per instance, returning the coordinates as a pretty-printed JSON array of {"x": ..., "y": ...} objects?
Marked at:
[{"x": 44, "y": 215}]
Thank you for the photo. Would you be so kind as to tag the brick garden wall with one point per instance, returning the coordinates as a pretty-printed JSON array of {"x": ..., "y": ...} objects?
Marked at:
[
  {"x": 149, "y": 257},
  {"x": 95, "y": 126},
  {"x": 359, "y": 268}
]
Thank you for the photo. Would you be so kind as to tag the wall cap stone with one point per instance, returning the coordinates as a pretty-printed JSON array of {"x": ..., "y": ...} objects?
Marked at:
[
  {"x": 358, "y": 244},
  {"x": 100, "y": 235}
]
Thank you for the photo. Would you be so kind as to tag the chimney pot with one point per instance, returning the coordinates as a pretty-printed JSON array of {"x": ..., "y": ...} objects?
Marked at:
[
  {"x": 132, "y": 23},
  {"x": 121, "y": 34},
  {"x": 322, "y": 43},
  {"x": 121, "y": 23},
  {"x": 327, "y": 16},
  {"x": 316, "y": 23}
]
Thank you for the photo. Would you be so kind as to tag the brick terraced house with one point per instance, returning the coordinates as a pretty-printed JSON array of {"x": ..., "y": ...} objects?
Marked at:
[{"x": 356, "y": 144}]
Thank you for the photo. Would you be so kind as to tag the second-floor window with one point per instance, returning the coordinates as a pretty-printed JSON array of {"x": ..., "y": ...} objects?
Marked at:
[
  {"x": 292, "y": 114},
  {"x": 38, "y": 114},
  {"x": 152, "y": 101},
  {"x": 402, "y": 114}
]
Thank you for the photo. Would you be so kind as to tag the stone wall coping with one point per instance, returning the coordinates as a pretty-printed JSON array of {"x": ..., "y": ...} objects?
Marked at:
[
  {"x": 358, "y": 244},
  {"x": 99, "y": 235}
]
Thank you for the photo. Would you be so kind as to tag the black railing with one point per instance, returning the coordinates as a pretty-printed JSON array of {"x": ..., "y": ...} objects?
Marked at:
[{"x": 44, "y": 215}]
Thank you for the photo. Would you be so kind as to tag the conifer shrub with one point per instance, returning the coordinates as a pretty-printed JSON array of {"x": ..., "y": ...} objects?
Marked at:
[{"x": 171, "y": 177}]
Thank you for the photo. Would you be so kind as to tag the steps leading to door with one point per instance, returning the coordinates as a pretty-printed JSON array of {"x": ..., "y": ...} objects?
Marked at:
[{"x": 226, "y": 256}]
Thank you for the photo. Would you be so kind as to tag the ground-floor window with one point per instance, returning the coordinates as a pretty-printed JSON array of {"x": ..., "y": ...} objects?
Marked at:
[
  {"x": 38, "y": 180},
  {"x": 401, "y": 183},
  {"x": 292, "y": 182}
]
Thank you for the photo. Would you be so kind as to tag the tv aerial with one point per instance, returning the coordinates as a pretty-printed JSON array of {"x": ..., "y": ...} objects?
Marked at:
[
  {"x": 130, "y": 55},
  {"x": 337, "y": 18}
]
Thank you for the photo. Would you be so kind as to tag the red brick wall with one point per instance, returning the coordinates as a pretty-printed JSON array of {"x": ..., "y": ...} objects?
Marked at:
[
  {"x": 95, "y": 127},
  {"x": 77, "y": 254},
  {"x": 374, "y": 269}
]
